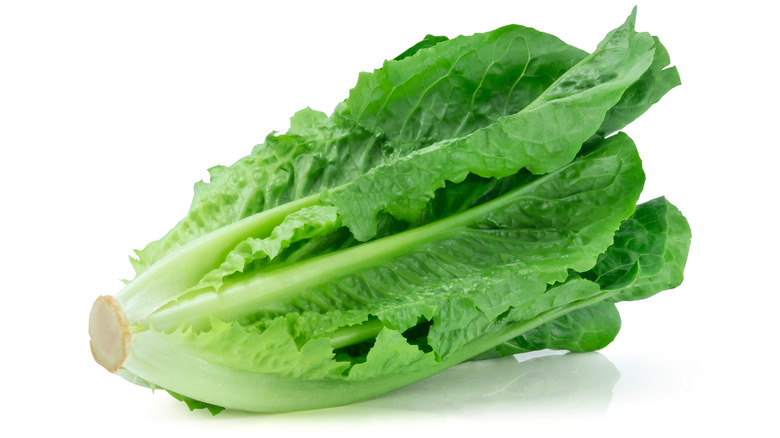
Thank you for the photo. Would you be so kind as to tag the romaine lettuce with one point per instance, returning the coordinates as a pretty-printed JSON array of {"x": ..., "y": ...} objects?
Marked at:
[{"x": 468, "y": 199}]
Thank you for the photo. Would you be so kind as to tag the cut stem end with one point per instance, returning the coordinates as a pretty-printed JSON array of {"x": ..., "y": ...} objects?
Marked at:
[{"x": 109, "y": 333}]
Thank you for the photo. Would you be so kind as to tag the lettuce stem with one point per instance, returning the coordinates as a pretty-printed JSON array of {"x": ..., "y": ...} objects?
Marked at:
[{"x": 167, "y": 279}]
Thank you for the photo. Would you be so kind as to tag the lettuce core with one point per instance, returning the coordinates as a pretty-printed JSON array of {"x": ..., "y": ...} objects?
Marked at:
[{"x": 109, "y": 333}]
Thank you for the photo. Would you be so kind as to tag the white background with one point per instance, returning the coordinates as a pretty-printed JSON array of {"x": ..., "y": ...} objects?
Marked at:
[{"x": 110, "y": 111}]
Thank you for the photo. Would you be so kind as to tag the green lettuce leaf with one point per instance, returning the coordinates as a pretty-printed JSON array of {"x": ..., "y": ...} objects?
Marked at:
[
  {"x": 647, "y": 91},
  {"x": 588, "y": 329},
  {"x": 661, "y": 271},
  {"x": 577, "y": 102},
  {"x": 648, "y": 256}
]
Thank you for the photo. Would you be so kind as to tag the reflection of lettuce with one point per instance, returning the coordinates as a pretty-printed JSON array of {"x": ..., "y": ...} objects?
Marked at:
[
  {"x": 574, "y": 381},
  {"x": 470, "y": 197}
]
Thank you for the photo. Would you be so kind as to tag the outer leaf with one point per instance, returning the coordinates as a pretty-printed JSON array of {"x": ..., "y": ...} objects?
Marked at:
[
  {"x": 639, "y": 247},
  {"x": 675, "y": 255},
  {"x": 390, "y": 355},
  {"x": 443, "y": 92},
  {"x": 587, "y": 329},
  {"x": 647, "y": 91},
  {"x": 647, "y": 256},
  {"x": 543, "y": 136}
]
